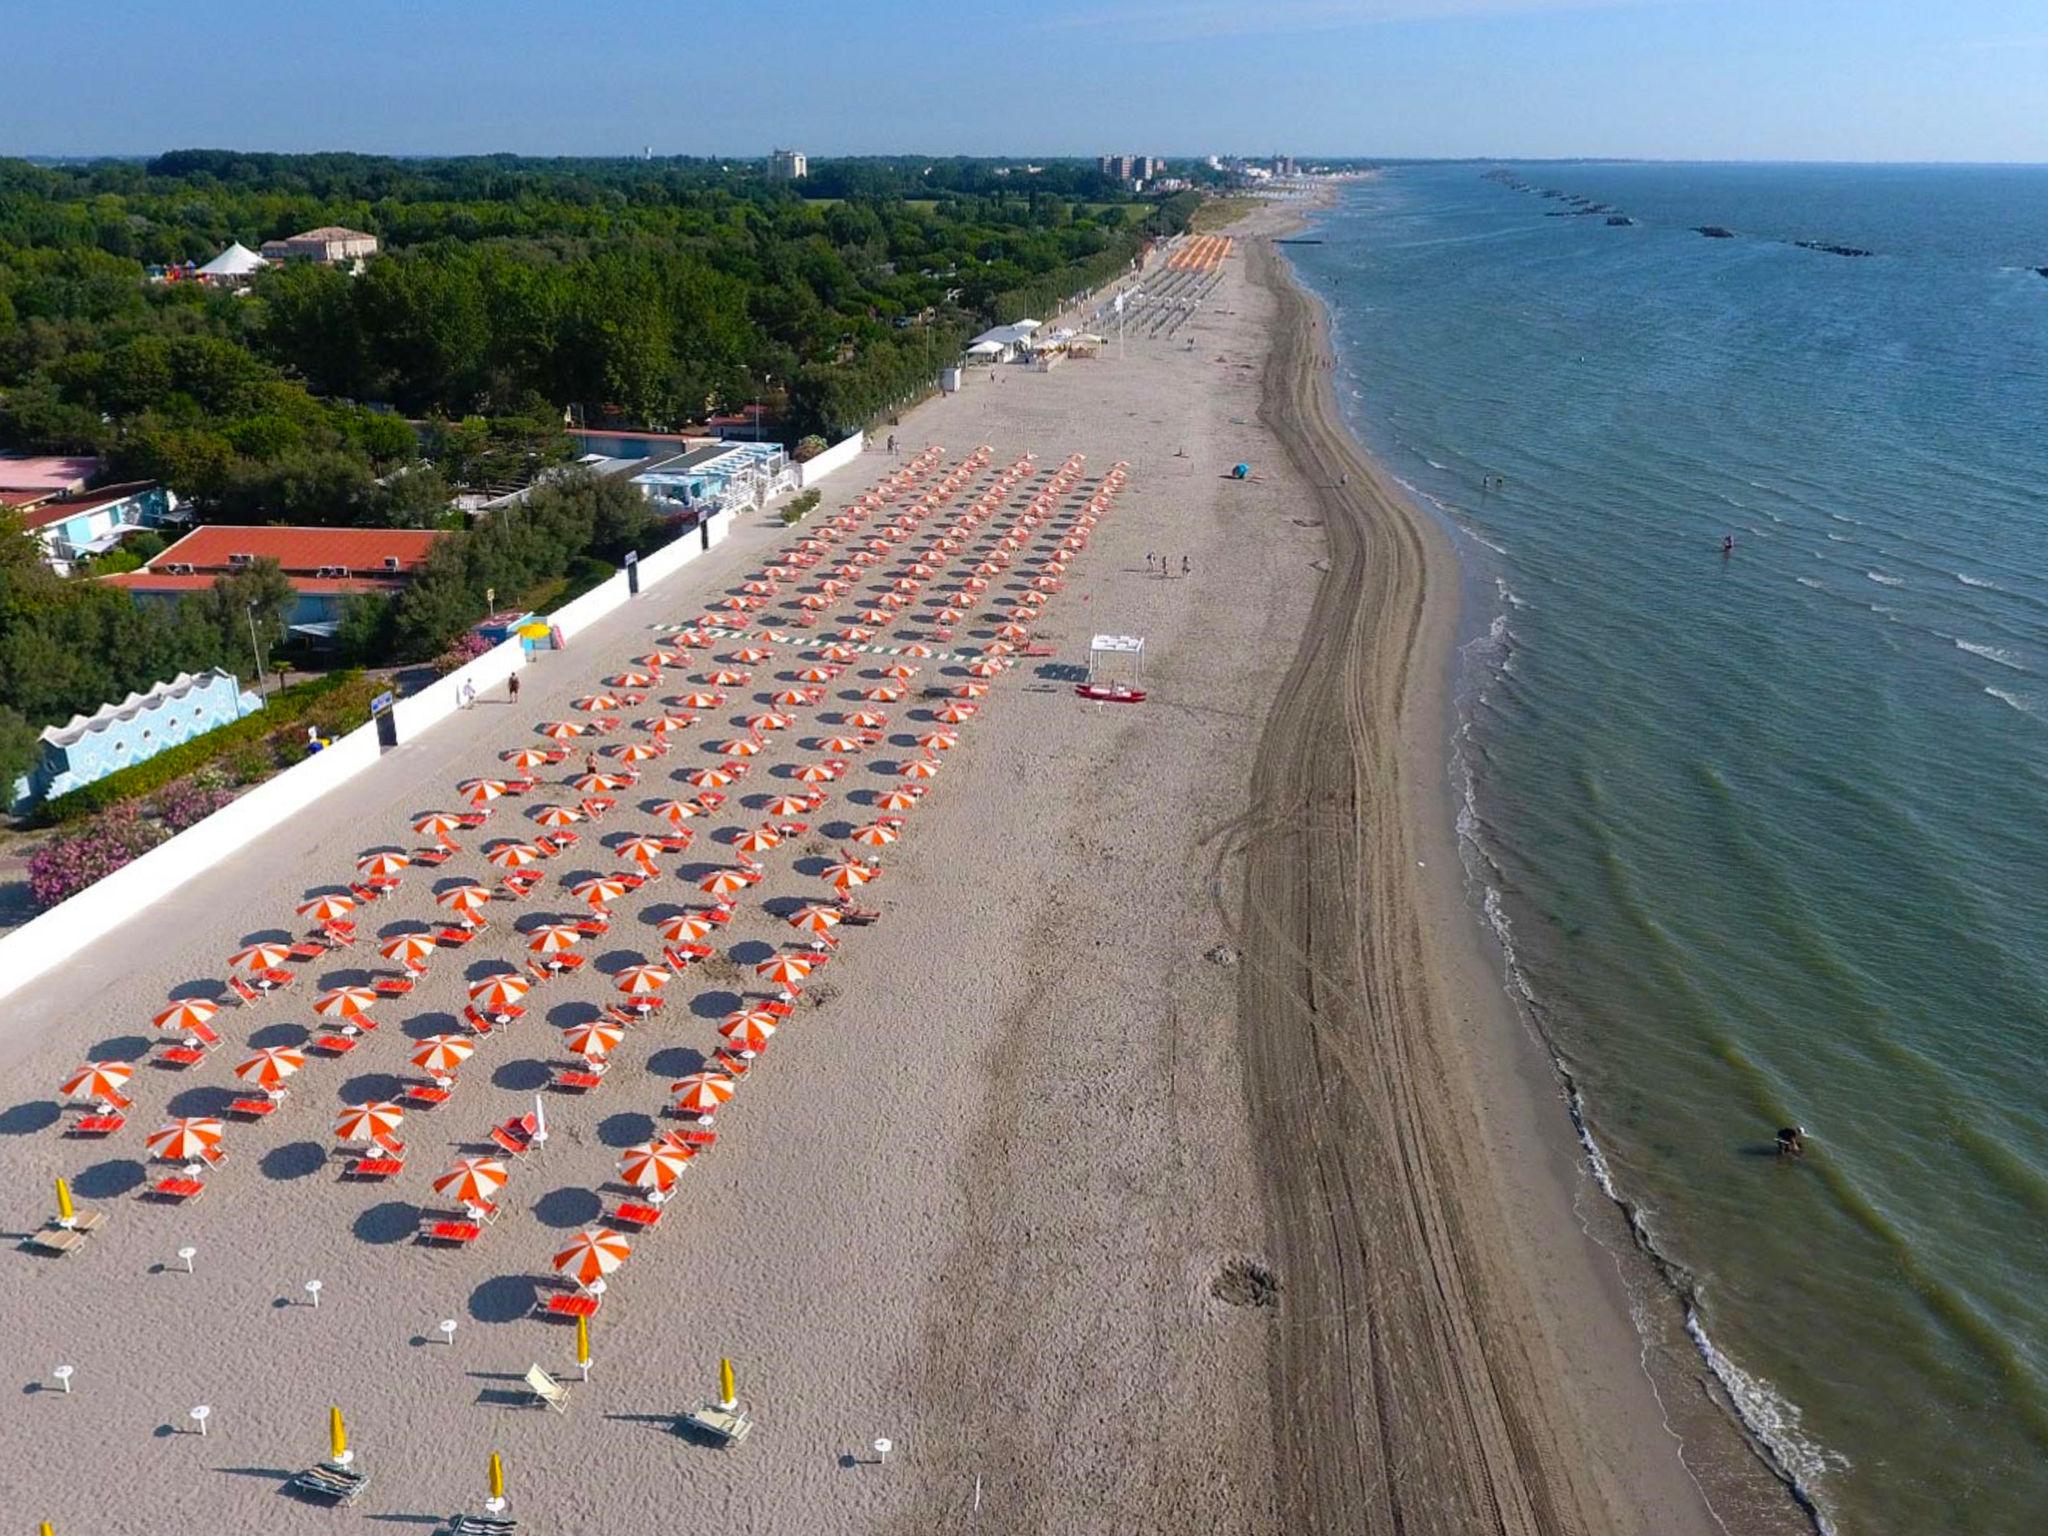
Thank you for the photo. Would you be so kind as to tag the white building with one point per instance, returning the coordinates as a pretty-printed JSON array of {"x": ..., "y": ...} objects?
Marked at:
[{"x": 788, "y": 165}]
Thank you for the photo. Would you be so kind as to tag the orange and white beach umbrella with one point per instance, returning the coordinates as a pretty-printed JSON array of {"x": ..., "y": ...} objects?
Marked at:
[
  {"x": 325, "y": 909},
  {"x": 271, "y": 1065},
  {"x": 815, "y": 919},
  {"x": 524, "y": 757},
  {"x": 552, "y": 938},
  {"x": 971, "y": 691},
  {"x": 842, "y": 744},
  {"x": 593, "y": 1039},
  {"x": 709, "y": 778},
  {"x": 369, "y": 1121},
  {"x": 785, "y": 970},
  {"x": 900, "y": 670},
  {"x": 481, "y": 791},
  {"x": 599, "y": 889},
  {"x": 687, "y": 927},
  {"x": 748, "y": 1029},
  {"x": 726, "y": 677},
  {"x": 956, "y": 713},
  {"x": 474, "y": 1180},
  {"x": 902, "y": 798},
  {"x": 186, "y": 1138},
  {"x": 770, "y": 720},
  {"x": 787, "y": 805},
  {"x": 875, "y": 835},
  {"x": 919, "y": 768},
  {"x": 594, "y": 703},
  {"x": 601, "y": 783},
  {"x": 97, "y": 1080},
  {"x": 757, "y": 840},
  {"x": 465, "y": 899},
  {"x": 838, "y": 652},
  {"x": 817, "y": 674},
  {"x": 848, "y": 873},
  {"x": 409, "y": 949},
  {"x": 633, "y": 680},
  {"x": 816, "y": 773},
  {"x": 261, "y": 957},
  {"x": 563, "y": 730},
  {"x": 698, "y": 700},
  {"x": 790, "y": 698},
  {"x": 437, "y": 824},
  {"x": 867, "y": 719},
  {"x": 592, "y": 1254},
  {"x": 678, "y": 810},
  {"x": 987, "y": 667},
  {"x": 632, "y": 751},
  {"x": 658, "y": 659},
  {"x": 440, "y": 1055},
  {"x": 641, "y": 850},
  {"x": 654, "y": 1164},
  {"x": 495, "y": 994},
  {"x": 701, "y": 1093},
  {"x": 557, "y": 815},
  {"x": 740, "y": 746},
  {"x": 513, "y": 855},
  {"x": 641, "y": 980},
  {"x": 725, "y": 882},
  {"x": 661, "y": 725},
  {"x": 345, "y": 1002},
  {"x": 939, "y": 741},
  {"x": 383, "y": 865},
  {"x": 882, "y": 693},
  {"x": 184, "y": 1014},
  {"x": 752, "y": 655}
]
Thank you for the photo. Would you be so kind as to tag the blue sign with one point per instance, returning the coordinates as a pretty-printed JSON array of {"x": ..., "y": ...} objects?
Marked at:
[{"x": 381, "y": 703}]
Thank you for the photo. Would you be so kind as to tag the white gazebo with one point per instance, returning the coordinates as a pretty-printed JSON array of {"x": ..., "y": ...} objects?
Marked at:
[
  {"x": 235, "y": 264},
  {"x": 1116, "y": 666}
]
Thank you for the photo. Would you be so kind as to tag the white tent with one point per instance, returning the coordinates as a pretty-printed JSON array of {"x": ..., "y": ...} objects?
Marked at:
[{"x": 236, "y": 261}]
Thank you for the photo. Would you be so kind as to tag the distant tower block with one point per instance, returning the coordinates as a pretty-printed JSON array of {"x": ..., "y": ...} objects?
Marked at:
[{"x": 788, "y": 165}]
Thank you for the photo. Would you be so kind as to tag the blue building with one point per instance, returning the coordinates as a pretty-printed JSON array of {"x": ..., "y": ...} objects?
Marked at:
[
  {"x": 92, "y": 746},
  {"x": 95, "y": 522},
  {"x": 723, "y": 477}
]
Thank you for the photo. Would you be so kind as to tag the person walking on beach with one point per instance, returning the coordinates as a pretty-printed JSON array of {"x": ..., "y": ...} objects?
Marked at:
[
  {"x": 590, "y": 762},
  {"x": 512, "y": 687},
  {"x": 466, "y": 695},
  {"x": 1185, "y": 565}
]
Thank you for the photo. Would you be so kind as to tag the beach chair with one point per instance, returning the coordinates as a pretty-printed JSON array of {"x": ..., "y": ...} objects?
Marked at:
[
  {"x": 515, "y": 1136},
  {"x": 592, "y": 927},
  {"x": 473, "y": 819},
  {"x": 696, "y": 1137},
  {"x": 330, "y": 1482},
  {"x": 177, "y": 1188},
  {"x": 454, "y": 937},
  {"x": 178, "y": 1057},
  {"x": 333, "y": 1045},
  {"x": 576, "y": 1079},
  {"x": 731, "y": 1063},
  {"x": 254, "y": 1108},
  {"x": 426, "y": 1095},
  {"x": 392, "y": 986},
  {"x": 54, "y": 1240},
  {"x": 432, "y": 858},
  {"x": 567, "y": 1305},
  {"x": 96, "y": 1125},
  {"x": 307, "y": 949},
  {"x": 272, "y": 980},
  {"x": 632, "y": 1213},
  {"x": 726, "y": 1426},
  {"x": 441, "y": 1230},
  {"x": 547, "y": 1391},
  {"x": 373, "y": 1168},
  {"x": 245, "y": 994}
]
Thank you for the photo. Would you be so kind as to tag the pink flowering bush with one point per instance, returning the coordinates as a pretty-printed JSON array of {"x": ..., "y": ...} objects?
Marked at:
[
  {"x": 188, "y": 804},
  {"x": 467, "y": 647},
  {"x": 71, "y": 861}
]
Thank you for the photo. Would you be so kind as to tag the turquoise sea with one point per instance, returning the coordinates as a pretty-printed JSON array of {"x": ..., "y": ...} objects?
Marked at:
[{"x": 1765, "y": 836}]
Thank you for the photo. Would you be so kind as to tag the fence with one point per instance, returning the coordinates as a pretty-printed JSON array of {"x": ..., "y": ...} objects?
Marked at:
[
  {"x": 48, "y": 940},
  {"x": 838, "y": 456}
]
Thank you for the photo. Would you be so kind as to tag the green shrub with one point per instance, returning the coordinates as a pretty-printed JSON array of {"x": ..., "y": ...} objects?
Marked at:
[
  {"x": 803, "y": 506},
  {"x": 250, "y": 747}
]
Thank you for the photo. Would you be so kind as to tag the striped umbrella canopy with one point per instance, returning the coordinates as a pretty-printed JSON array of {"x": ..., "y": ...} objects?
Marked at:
[
  {"x": 261, "y": 957},
  {"x": 592, "y": 1254},
  {"x": 442, "y": 1054},
  {"x": 658, "y": 659},
  {"x": 1013, "y": 631},
  {"x": 919, "y": 649},
  {"x": 600, "y": 783},
  {"x": 678, "y": 810},
  {"x": 594, "y": 1038},
  {"x": 698, "y": 700},
  {"x": 901, "y": 670},
  {"x": 726, "y": 677},
  {"x": 939, "y": 741},
  {"x": 785, "y": 970},
  {"x": 483, "y": 791},
  {"x": 382, "y": 865},
  {"x": 367, "y": 1122},
  {"x": 842, "y": 744},
  {"x": 725, "y": 882},
  {"x": 641, "y": 980},
  {"x": 987, "y": 667},
  {"x": 838, "y": 652},
  {"x": 654, "y": 1164},
  {"x": 599, "y": 889},
  {"x": 739, "y": 746},
  {"x": 513, "y": 855},
  {"x": 757, "y": 840},
  {"x": 848, "y": 873},
  {"x": 464, "y": 898},
  {"x": 562, "y": 730},
  {"x": 661, "y": 725},
  {"x": 875, "y": 835},
  {"x": 874, "y": 616},
  {"x": 325, "y": 909},
  {"x": 955, "y": 714},
  {"x": 900, "y": 799},
  {"x": 271, "y": 1065},
  {"x": 552, "y": 938},
  {"x": 593, "y": 703},
  {"x": 686, "y": 927},
  {"x": 436, "y": 824},
  {"x": 496, "y": 993},
  {"x": 702, "y": 1092},
  {"x": 758, "y": 588},
  {"x": 186, "y": 1138},
  {"x": 787, "y": 805},
  {"x": 949, "y": 615},
  {"x": 817, "y": 674},
  {"x": 771, "y": 720},
  {"x": 524, "y": 757},
  {"x": 791, "y": 698},
  {"x": 633, "y": 680},
  {"x": 408, "y": 948},
  {"x": 641, "y": 850},
  {"x": 971, "y": 691},
  {"x": 345, "y": 1002},
  {"x": 748, "y": 1029},
  {"x": 751, "y": 655},
  {"x": 632, "y": 751},
  {"x": 97, "y": 1080},
  {"x": 817, "y": 773},
  {"x": 867, "y": 719},
  {"x": 474, "y": 1180},
  {"x": 709, "y": 778},
  {"x": 815, "y": 919},
  {"x": 557, "y": 815},
  {"x": 882, "y": 693},
  {"x": 919, "y": 768},
  {"x": 183, "y": 1014}
]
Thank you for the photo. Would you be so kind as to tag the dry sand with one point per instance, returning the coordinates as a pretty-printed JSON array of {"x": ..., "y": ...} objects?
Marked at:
[{"x": 977, "y": 1200}]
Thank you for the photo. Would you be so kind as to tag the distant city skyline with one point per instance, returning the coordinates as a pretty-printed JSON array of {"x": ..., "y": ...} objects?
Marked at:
[{"x": 1882, "y": 80}]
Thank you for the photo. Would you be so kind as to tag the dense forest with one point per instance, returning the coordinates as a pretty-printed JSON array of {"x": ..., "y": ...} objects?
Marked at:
[{"x": 510, "y": 294}]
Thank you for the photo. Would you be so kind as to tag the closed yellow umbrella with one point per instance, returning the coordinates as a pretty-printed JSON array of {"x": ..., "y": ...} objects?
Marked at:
[
  {"x": 728, "y": 1391},
  {"x": 583, "y": 1345},
  {"x": 497, "y": 1477},
  {"x": 337, "y": 1436},
  {"x": 66, "y": 1214}
]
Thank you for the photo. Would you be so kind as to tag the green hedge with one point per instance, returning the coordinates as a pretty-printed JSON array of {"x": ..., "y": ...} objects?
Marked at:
[{"x": 334, "y": 703}]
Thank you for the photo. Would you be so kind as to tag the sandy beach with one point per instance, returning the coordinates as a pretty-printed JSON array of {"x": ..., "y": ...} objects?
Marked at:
[{"x": 1164, "y": 1158}]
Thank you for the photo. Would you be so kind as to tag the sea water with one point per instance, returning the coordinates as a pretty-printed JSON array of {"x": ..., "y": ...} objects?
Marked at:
[{"x": 1765, "y": 834}]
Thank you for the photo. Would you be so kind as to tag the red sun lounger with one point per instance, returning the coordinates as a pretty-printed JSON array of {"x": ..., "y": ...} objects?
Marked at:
[
  {"x": 97, "y": 1125},
  {"x": 374, "y": 1167},
  {"x": 632, "y": 1213},
  {"x": 252, "y": 1109},
  {"x": 179, "y": 1056},
  {"x": 576, "y": 1079},
  {"x": 460, "y": 1233},
  {"x": 567, "y": 1306},
  {"x": 393, "y": 986},
  {"x": 334, "y": 1045},
  {"x": 177, "y": 1188},
  {"x": 426, "y": 1095}
]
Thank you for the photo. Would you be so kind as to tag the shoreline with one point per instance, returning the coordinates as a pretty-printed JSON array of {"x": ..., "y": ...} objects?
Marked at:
[{"x": 1669, "y": 1452}]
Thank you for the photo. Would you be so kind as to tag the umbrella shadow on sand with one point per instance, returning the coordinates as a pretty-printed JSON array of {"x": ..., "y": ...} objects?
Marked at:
[
  {"x": 625, "y": 1129},
  {"x": 524, "y": 1076},
  {"x": 569, "y": 1207},
  {"x": 278, "y": 1034},
  {"x": 387, "y": 1222},
  {"x": 421, "y": 1025},
  {"x": 201, "y": 1101},
  {"x": 502, "y": 1299},
  {"x": 675, "y": 1061},
  {"x": 104, "y": 1181},
  {"x": 366, "y": 1087},
  {"x": 715, "y": 1004},
  {"x": 293, "y": 1160},
  {"x": 27, "y": 1119}
]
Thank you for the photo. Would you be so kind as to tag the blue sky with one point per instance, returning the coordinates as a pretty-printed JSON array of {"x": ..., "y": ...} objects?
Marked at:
[{"x": 1711, "y": 79}]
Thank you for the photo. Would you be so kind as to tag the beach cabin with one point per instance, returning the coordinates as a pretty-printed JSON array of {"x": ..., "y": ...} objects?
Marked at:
[
  {"x": 90, "y": 747},
  {"x": 723, "y": 477},
  {"x": 74, "y": 527},
  {"x": 1002, "y": 343}
]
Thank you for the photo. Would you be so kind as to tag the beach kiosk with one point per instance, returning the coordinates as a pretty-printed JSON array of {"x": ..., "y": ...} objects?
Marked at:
[{"x": 1116, "y": 666}]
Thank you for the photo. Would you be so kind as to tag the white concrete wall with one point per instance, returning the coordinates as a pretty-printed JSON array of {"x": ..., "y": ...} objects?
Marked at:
[
  {"x": 838, "y": 456},
  {"x": 46, "y": 941}
]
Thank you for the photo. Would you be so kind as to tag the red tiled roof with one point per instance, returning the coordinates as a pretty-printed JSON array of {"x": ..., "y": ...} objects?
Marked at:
[
  {"x": 146, "y": 580},
  {"x": 300, "y": 551},
  {"x": 59, "y": 511},
  {"x": 26, "y": 498}
]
